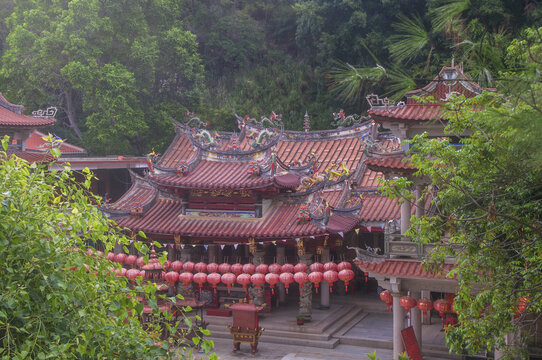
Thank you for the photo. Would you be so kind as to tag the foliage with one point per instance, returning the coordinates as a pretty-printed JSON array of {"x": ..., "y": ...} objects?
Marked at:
[
  {"x": 489, "y": 204},
  {"x": 51, "y": 306}
]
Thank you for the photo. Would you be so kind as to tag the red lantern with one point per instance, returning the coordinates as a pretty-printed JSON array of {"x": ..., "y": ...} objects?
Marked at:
[
  {"x": 120, "y": 258},
  {"x": 188, "y": 266},
  {"x": 100, "y": 253},
  {"x": 450, "y": 297},
  {"x": 272, "y": 279},
  {"x": 120, "y": 272},
  {"x": 200, "y": 278},
  {"x": 186, "y": 278},
  {"x": 330, "y": 266},
  {"x": 200, "y": 267},
  {"x": 301, "y": 278},
  {"x": 236, "y": 268},
  {"x": 346, "y": 275},
  {"x": 89, "y": 252},
  {"x": 132, "y": 274},
  {"x": 249, "y": 269},
  {"x": 286, "y": 278},
  {"x": 366, "y": 275},
  {"x": 258, "y": 280},
  {"x": 244, "y": 279},
  {"x": 344, "y": 265},
  {"x": 274, "y": 268},
  {"x": 387, "y": 298},
  {"x": 212, "y": 268},
  {"x": 140, "y": 262},
  {"x": 228, "y": 279},
  {"x": 300, "y": 267},
  {"x": 167, "y": 264},
  {"x": 521, "y": 305},
  {"x": 407, "y": 303},
  {"x": 442, "y": 306},
  {"x": 142, "y": 273},
  {"x": 172, "y": 277},
  {"x": 130, "y": 260},
  {"x": 287, "y": 268},
  {"x": 316, "y": 278},
  {"x": 111, "y": 256},
  {"x": 262, "y": 269},
  {"x": 176, "y": 266},
  {"x": 213, "y": 279},
  {"x": 425, "y": 305},
  {"x": 331, "y": 276},
  {"x": 316, "y": 267}
]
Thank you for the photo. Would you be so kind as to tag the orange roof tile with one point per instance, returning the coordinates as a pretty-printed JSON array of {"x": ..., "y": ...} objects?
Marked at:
[{"x": 403, "y": 268}]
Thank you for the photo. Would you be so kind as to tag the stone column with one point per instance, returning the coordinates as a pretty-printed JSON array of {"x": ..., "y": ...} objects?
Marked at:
[
  {"x": 324, "y": 285},
  {"x": 405, "y": 216},
  {"x": 256, "y": 295},
  {"x": 398, "y": 324},
  {"x": 420, "y": 204},
  {"x": 415, "y": 319},
  {"x": 426, "y": 320},
  {"x": 305, "y": 298},
  {"x": 213, "y": 253},
  {"x": 281, "y": 260}
]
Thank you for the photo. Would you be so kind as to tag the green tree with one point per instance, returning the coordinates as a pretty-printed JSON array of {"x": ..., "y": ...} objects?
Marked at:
[
  {"x": 56, "y": 302},
  {"x": 490, "y": 205}
]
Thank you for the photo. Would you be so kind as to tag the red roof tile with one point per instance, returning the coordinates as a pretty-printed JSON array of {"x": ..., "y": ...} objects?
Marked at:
[
  {"x": 164, "y": 218},
  {"x": 12, "y": 115},
  {"x": 389, "y": 163},
  {"x": 339, "y": 223},
  {"x": 215, "y": 175},
  {"x": 379, "y": 208},
  {"x": 35, "y": 142},
  {"x": 287, "y": 181},
  {"x": 140, "y": 191},
  {"x": 180, "y": 149},
  {"x": 32, "y": 156},
  {"x": 403, "y": 268},
  {"x": 410, "y": 112}
]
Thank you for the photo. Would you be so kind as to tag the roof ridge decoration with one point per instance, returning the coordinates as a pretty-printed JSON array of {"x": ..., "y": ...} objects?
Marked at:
[
  {"x": 18, "y": 109},
  {"x": 143, "y": 202},
  {"x": 342, "y": 120},
  {"x": 50, "y": 112},
  {"x": 377, "y": 103}
]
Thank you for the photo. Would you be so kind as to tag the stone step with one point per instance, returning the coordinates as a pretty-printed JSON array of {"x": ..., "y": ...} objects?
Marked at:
[
  {"x": 355, "y": 317},
  {"x": 368, "y": 343},
  {"x": 273, "y": 332},
  {"x": 284, "y": 340}
]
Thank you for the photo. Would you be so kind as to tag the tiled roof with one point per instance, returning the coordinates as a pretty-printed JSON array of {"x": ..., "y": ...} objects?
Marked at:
[
  {"x": 35, "y": 142},
  {"x": 32, "y": 156},
  {"x": 10, "y": 118},
  {"x": 387, "y": 163},
  {"x": 409, "y": 112},
  {"x": 379, "y": 208},
  {"x": 403, "y": 268},
  {"x": 287, "y": 181},
  {"x": 180, "y": 149},
  {"x": 339, "y": 223},
  {"x": 140, "y": 191},
  {"x": 216, "y": 175},
  {"x": 164, "y": 218}
]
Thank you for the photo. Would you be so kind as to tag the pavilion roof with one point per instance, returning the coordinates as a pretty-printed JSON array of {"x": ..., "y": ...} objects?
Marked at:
[
  {"x": 35, "y": 142},
  {"x": 12, "y": 116},
  {"x": 31, "y": 156},
  {"x": 404, "y": 269},
  {"x": 390, "y": 163}
]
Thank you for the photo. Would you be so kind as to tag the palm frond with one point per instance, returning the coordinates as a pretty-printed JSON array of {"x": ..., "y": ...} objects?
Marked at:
[
  {"x": 400, "y": 83},
  {"x": 448, "y": 13},
  {"x": 411, "y": 39},
  {"x": 349, "y": 82}
]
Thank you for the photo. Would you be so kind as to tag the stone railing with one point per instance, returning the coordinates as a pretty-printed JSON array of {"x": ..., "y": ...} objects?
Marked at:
[{"x": 397, "y": 245}]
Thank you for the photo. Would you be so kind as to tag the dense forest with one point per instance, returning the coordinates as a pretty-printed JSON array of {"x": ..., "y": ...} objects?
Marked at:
[{"x": 120, "y": 70}]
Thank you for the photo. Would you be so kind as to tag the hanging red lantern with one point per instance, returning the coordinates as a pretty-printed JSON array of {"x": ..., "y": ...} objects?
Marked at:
[
  {"x": 188, "y": 266},
  {"x": 300, "y": 267},
  {"x": 521, "y": 305},
  {"x": 132, "y": 274},
  {"x": 258, "y": 280},
  {"x": 249, "y": 269},
  {"x": 225, "y": 268},
  {"x": 142, "y": 273},
  {"x": 228, "y": 279},
  {"x": 346, "y": 275},
  {"x": 274, "y": 268},
  {"x": 301, "y": 278},
  {"x": 130, "y": 260},
  {"x": 262, "y": 269},
  {"x": 176, "y": 266},
  {"x": 316, "y": 267},
  {"x": 331, "y": 276},
  {"x": 344, "y": 265},
  {"x": 100, "y": 253},
  {"x": 212, "y": 268},
  {"x": 89, "y": 252},
  {"x": 200, "y": 278},
  {"x": 316, "y": 278},
  {"x": 425, "y": 305},
  {"x": 287, "y": 268},
  {"x": 387, "y": 298},
  {"x": 407, "y": 303},
  {"x": 171, "y": 277},
  {"x": 120, "y": 258},
  {"x": 330, "y": 266},
  {"x": 244, "y": 280},
  {"x": 237, "y": 269},
  {"x": 140, "y": 262},
  {"x": 442, "y": 306},
  {"x": 450, "y": 297},
  {"x": 272, "y": 279},
  {"x": 286, "y": 278},
  {"x": 110, "y": 256},
  {"x": 366, "y": 276},
  {"x": 200, "y": 267},
  {"x": 120, "y": 272},
  {"x": 186, "y": 278},
  {"x": 167, "y": 265},
  {"x": 213, "y": 279}
]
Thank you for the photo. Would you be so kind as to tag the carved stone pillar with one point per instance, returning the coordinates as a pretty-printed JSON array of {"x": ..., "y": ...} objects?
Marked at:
[
  {"x": 281, "y": 260},
  {"x": 256, "y": 295},
  {"x": 420, "y": 204},
  {"x": 426, "y": 320},
  {"x": 305, "y": 298},
  {"x": 324, "y": 285},
  {"x": 415, "y": 319},
  {"x": 213, "y": 253},
  {"x": 405, "y": 216},
  {"x": 398, "y": 324}
]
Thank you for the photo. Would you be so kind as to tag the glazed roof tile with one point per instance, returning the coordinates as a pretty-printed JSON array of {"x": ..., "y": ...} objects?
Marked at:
[
  {"x": 403, "y": 268},
  {"x": 164, "y": 218},
  {"x": 12, "y": 116},
  {"x": 180, "y": 149},
  {"x": 410, "y": 112},
  {"x": 387, "y": 163},
  {"x": 32, "y": 156},
  {"x": 140, "y": 191},
  {"x": 35, "y": 142},
  {"x": 379, "y": 208}
]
